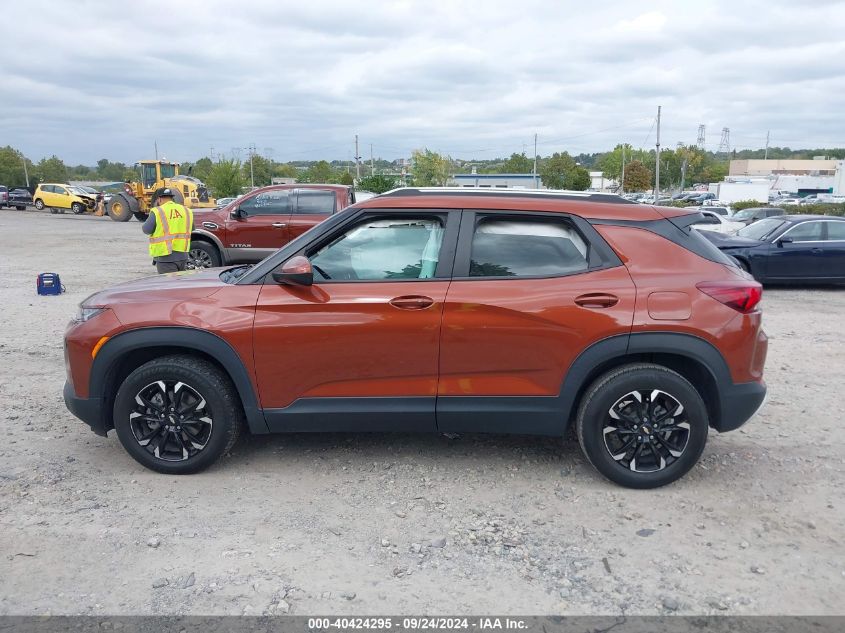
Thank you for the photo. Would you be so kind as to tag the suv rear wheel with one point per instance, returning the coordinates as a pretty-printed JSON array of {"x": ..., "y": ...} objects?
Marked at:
[
  {"x": 177, "y": 414},
  {"x": 642, "y": 425}
]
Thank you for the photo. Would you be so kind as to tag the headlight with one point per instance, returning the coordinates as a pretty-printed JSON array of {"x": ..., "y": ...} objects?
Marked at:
[{"x": 87, "y": 313}]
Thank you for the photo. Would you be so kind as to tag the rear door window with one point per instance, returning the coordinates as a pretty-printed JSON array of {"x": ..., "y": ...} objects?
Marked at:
[
  {"x": 836, "y": 231},
  {"x": 314, "y": 202},
  {"x": 533, "y": 247}
]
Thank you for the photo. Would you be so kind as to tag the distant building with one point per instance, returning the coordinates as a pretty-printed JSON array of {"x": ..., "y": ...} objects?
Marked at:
[
  {"x": 773, "y": 167},
  {"x": 282, "y": 180},
  {"x": 496, "y": 181},
  {"x": 598, "y": 182}
]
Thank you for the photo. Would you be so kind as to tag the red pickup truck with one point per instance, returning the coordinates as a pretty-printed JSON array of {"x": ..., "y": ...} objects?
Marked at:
[{"x": 255, "y": 225}]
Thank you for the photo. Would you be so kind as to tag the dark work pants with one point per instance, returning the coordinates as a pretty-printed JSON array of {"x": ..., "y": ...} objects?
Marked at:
[{"x": 171, "y": 267}]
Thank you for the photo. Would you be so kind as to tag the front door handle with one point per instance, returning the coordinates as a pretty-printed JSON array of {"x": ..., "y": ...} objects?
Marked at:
[
  {"x": 596, "y": 300},
  {"x": 412, "y": 302},
  {"x": 817, "y": 251},
  {"x": 278, "y": 225}
]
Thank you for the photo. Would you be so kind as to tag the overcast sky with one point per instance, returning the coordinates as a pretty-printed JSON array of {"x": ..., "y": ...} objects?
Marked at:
[{"x": 93, "y": 79}]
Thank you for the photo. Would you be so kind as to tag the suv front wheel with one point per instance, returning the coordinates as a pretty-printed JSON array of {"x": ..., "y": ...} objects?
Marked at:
[
  {"x": 642, "y": 425},
  {"x": 177, "y": 414},
  {"x": 203, "y": 255}
]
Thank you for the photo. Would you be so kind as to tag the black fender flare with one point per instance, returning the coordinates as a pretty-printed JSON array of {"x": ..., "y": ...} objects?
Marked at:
[
  {"x": 179, "y": 338},
  {"x": 210, "y": 237},
  {"x": 604, "y": 352}
]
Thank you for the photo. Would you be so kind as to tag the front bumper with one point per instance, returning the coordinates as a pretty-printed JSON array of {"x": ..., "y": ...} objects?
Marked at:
[
  {"x": 739, "y": 403},
  {"x": 89, "y": 410}
]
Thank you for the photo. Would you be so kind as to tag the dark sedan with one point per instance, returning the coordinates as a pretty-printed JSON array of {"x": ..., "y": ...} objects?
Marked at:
[
  {"x": 789, "y": 248},
  {"x": 20, "y": 199}
]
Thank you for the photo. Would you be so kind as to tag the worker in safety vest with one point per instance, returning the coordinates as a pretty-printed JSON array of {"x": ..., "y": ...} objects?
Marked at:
[{"x": 169, "y": 226}]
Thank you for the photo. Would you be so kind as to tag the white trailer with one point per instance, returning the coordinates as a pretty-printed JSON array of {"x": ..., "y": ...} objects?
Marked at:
[{"x": 730, "y": 192}]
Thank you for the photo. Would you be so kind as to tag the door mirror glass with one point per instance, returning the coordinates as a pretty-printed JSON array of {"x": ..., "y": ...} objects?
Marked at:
[{"x": 296, "y": 271}]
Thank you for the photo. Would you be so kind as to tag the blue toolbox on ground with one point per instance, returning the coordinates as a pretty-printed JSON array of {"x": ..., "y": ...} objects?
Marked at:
[{"x": 49, "y": 284}]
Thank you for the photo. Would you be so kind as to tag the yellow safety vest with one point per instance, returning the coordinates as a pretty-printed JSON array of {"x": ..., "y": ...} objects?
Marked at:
[{"x": 173, "y": 229}]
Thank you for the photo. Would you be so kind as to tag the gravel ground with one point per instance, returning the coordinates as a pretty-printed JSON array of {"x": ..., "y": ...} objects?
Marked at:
[{"x": 403, "y": 523}]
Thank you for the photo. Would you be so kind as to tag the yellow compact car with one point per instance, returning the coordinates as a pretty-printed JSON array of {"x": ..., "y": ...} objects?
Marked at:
[{"x": 61, "y": 197}]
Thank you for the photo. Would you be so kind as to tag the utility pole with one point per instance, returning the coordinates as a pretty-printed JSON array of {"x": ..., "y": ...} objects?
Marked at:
[
  {"x": 212, "y": 154},
  {"x": 155, "y": 143},
  {"x": 251, "y": 172},
  {"x": 683, "y": 167},
  {"x": 767, "y": 146},
  {"x": 25, "y": 173},
  {"x": 622, "y": 185},
  {"x": 357, "y": 161},
  {"x": 535, "y": 160},
  {"x": 372, "y": 162},
  {"x": 657, "y": 161}
]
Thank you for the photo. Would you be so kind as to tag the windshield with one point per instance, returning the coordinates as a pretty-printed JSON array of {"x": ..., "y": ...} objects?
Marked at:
[
  {"x": 744, "y": 214},
  {"x": 761, "y": 230}
]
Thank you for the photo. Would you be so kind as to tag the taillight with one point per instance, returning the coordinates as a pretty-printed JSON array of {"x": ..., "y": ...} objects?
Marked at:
[{"x": 742, "y": 296}]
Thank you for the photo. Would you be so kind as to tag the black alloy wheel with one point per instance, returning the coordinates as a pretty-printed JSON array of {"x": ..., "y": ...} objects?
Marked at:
[
  {"x": 177, "y": 414},
  {"x": 171, "y": 420},
  {"x": 642, "y": 425},
  {"x": 646, "y": 430}
]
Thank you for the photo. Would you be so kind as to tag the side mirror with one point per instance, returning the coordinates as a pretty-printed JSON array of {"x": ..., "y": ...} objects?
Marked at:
[
  {"x": 296, "y": 271},
  {"x": 709, "y": 219},
  {"x": 237, "y": 213},
  {"x": 784, "y": 240}
]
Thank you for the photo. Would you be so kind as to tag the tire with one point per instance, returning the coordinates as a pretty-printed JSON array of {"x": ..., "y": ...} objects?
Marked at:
[
  {"x": 204, "y": 255},
  {"x": 678, "y": 447},
  {"x": 160, "y": 446},
  {"x": 119, "y": 208},
  {"x": 78, "y": 208},
  {"x": 21, "y": 208},
  {"x": 39, "y": 204}
]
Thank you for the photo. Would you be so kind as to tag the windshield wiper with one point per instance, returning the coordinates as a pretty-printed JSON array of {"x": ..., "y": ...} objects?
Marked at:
[{"x": 236, "y": 272}]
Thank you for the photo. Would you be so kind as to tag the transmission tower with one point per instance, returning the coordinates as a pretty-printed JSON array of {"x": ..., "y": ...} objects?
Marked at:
[
  {"x": 700, "y": 141},
  {"x": 725, "y": 143}
]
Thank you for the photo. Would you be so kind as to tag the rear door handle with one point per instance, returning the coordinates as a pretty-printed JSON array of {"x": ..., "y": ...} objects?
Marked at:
[
  {"x": 596, "y": 300},
  {"x": 278, "y": 225},
  {"x": 412, "y": 302},
  {"x": 817, "y": 251}
]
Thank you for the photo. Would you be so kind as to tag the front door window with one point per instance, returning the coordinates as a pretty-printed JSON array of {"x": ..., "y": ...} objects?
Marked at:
[{"x": 382, "y": 249}]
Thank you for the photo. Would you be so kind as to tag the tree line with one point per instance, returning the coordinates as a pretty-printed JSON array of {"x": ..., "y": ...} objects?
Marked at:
[{"x": 679, "y": 167}]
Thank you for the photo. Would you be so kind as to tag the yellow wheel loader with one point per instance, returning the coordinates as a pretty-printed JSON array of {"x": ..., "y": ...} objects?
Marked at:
[{"x": 138, "y": 197}]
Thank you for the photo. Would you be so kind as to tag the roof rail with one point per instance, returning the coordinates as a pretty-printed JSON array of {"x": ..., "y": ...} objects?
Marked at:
[{"x": 554, "y": 194}]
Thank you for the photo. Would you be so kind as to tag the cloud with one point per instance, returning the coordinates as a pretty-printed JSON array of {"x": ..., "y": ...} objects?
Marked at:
[{"x": 470, "y": 79}]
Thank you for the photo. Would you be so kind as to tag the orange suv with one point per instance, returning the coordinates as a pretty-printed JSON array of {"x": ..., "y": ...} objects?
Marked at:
[{"x": 438, "y": 310}]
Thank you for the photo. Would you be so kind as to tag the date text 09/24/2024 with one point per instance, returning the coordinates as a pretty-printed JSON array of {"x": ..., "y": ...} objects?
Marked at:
[{"x": 417, "y": 623}]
